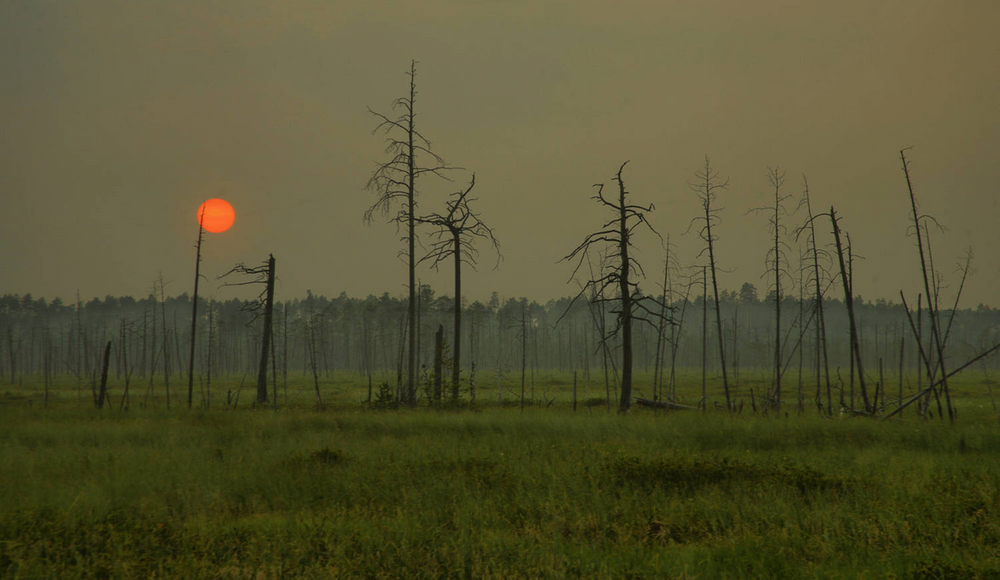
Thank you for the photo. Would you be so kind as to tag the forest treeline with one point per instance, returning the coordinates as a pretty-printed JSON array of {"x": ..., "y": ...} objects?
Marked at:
[{"x": 149, "y": 336}]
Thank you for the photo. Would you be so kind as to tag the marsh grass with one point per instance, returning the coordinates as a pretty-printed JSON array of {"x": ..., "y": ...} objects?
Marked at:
[{"x": 346, "y": 491}]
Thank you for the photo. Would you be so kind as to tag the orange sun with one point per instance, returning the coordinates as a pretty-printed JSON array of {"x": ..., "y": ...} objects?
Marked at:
[{"x": 216, "y": 215}]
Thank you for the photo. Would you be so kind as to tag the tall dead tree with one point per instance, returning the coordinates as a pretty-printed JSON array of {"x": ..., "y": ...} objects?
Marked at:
[
  {"x": 194, "y": 304},
  {"x": 619, "y": 274},
  {"x": 817, "y": 278},
  {"x": 849, "y": 301},
  {"x": 777, "y": 265},
  {"x": 666, "y": 290},
  {"x": 707, "y": 186},
  {"x": 262, "y": 306},
  {"x": 455, "y": 236},
  {"x": 394, "y": 182},
  {"x": 928, "y": 277}
]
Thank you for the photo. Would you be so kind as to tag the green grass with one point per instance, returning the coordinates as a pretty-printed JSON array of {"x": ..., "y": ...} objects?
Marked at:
[{"x": 492, "y": 492}]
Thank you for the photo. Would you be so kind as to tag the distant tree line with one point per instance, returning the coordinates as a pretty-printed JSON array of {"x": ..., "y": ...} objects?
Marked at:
[{"x": 367, "y": 336}]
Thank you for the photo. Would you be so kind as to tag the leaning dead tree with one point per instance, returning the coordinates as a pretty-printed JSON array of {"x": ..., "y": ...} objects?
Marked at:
[
  {"x": 619, "y": 274},
  {"x": 921, "y": 230},
  {"x": 847, "y": 282},
  {"x": 394, "y": 182},
  {"x": 263, "y": 305},
  {"x": 708, "y": 186},
  {"x": 457, "y": 230}
]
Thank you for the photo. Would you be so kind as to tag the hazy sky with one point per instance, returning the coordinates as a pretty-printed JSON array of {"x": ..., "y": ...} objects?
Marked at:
[{"x": 118, "y": 118}]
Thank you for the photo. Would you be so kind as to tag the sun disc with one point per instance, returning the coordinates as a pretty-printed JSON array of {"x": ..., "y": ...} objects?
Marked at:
[{"x": 216, "y": 215}]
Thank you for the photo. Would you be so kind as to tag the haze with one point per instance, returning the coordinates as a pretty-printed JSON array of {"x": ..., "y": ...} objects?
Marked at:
[{"x": 120, "y": 118}]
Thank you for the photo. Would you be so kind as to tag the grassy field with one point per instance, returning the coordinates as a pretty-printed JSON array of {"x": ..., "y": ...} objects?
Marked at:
[{"x": 490, "y": 492}]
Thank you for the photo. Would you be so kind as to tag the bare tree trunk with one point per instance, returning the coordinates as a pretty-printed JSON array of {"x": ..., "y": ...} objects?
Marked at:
[
  {"x": 658, "y": 365},
  {"x": 849, "y": 300},
  {"x": 194, "y": 309},
  {"x": 931, "y": 303},
  {"x": 104, "y": 376},
  {"x": 456, "y": 369},
  {"x": 574, "y": 391},
  {"x": 274, "y": 368},
  {"x": 312, "y": 363},
  {"x": 626, "y": 297},
  {"x": 265, "y": 345},
  {"x": 821, "y": 345},
  {"x": 10, "y": 352},
  {"x": 704, "y": 340},
  {"x": 921, "y": 410},
  {"x": 902, "y": 354},
  {"x": 802, "y": 334},
  {"x": 524, "y": 345},
  {"x": 411, "y": 354},
  {"x": 707, "y": 192}
]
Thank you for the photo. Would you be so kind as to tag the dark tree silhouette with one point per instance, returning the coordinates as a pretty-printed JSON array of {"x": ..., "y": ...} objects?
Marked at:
[
  {"x": 194, "y": 304},
  {"x": 263, "y": 305},
  {"x": 619, "y": 274},
  {"x": 707, "y": 187},
  {"x": 817, "y": 278},
  {"x": 845, "y": 276},
  {"x": 394, "y": 183},
  {"x": 929, "y": 278},
  {"x": 457, "y": 230},
  {"x": 777, "y": 265}
]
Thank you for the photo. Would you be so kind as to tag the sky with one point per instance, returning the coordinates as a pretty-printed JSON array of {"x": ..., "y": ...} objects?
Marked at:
[{"x": 117, "y": 119}]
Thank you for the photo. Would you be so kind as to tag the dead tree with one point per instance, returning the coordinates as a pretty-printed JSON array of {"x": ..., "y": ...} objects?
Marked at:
[
  {"x": 311, "y": 346},
  {"x": 707, "y": 187},
  {"x": 166, "y": 349},
  {"x": 817, "y": 278},
  {"x": 194, "y": 304},
  {"x": 776, "y": 266},
  {"x": 666, "y": 290},
  {"x": 703, "y": 402},
  {"x": 676, "y": 334},
  {"x": 521, "y": 328},
  {"x": 919, "y": 224},
  {"x": 394, "y": 182},
  {"x": 455, "y": 235},
  {"x": 619, "y": 274},
  {"x": 104, "y": 377},
  {"x": 849, "y": 302},
  {"x": 263, "y": 305}
]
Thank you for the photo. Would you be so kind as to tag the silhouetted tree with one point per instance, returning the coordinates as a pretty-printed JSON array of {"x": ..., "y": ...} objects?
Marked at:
[
  {"x": 855, "y": 346},
  {"x": 619, "y": 273},
  {"x": 456, "y": 232},
  {"x": 812, "y": 247},
  {"x": 263, "y": 305},
  {"x": 394, "y": 183},
  {"x": 777, "y": 265},
  {"x": 194, "y": 304},
  {"x": 929, "y": 277},
  {"x": 707, "y": 187}
]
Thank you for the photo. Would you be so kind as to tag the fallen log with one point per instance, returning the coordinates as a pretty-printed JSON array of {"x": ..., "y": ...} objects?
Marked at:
[
  {"x": 664, "y": 405},
  {"x": 983, "y": 354}
]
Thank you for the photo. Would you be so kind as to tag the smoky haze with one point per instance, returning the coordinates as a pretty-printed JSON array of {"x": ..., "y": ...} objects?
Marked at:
[{"x": 120, "y": 118}]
